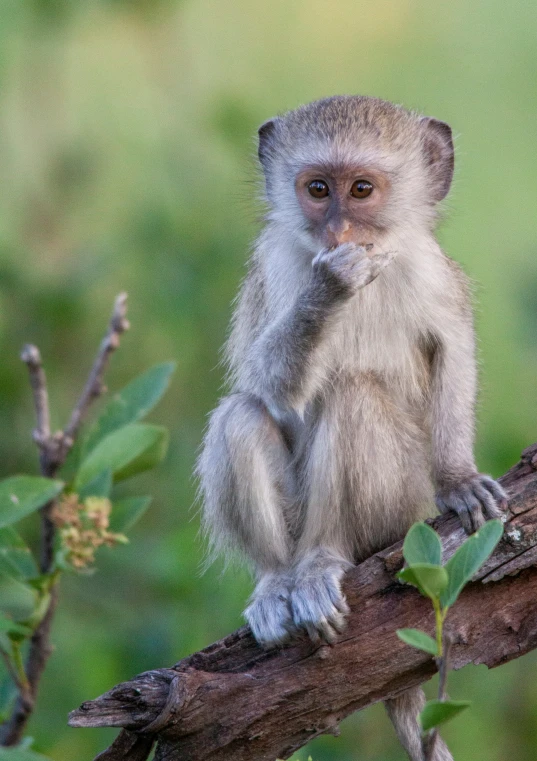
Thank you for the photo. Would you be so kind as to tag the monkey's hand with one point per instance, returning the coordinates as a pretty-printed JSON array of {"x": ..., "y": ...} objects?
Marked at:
[
  {"x": 317, "y": 602},
  {"x": 475, "y": 500},
  {"x": 347, "y": 268},
  {"x": 269, "y": 611}
]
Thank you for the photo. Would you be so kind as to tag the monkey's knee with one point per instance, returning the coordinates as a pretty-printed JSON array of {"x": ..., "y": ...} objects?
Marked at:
[
  {"x": 247, "y": 423},
  {"x": 246, "y": 480}
]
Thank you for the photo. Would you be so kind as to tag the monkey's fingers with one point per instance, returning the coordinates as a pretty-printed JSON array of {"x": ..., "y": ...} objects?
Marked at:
[
  {"x": 321, "y": 632},
  {"x": 384, "y": 257},
  {"x": 380, "y": 261},
  {"x": 337, "y": 598},
  {"x": 454, "y": 502},
  {"x": 314, "y": 611},
  {"x": 496, "y": 490},
  {"x": 269, "y": 617},
  {"x": 367, "y": 269},
  {"x": 475, "y": 500},
  {"x": 490, "y": 507}
]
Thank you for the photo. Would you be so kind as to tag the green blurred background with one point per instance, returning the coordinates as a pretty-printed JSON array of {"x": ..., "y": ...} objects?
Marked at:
[{"x": 126, "y": 144}]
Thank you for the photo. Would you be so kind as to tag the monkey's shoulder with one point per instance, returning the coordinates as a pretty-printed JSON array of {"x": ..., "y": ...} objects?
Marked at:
[
  {"x": 249, "y": 314},
  {"x": 461, "y": 286}
]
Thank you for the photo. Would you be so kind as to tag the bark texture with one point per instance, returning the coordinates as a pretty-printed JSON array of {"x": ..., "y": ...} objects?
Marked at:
[{"x": 235, "y": 701}]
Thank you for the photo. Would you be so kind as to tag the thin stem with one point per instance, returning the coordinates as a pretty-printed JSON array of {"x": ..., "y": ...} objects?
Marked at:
[
  {"x": 439, "y": 619},
  {"x": 13, "y": 671},
  {"x": 54, "y": 448},
  {"x": 22, "y": 679},
  {"x": 32, "y": 357},
  {"x": 94, "y": 386},
  {"x": 443, "y": 668}
]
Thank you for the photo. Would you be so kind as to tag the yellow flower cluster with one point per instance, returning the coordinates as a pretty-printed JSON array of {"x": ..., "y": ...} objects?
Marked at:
[{"x": 83, "y": 528}]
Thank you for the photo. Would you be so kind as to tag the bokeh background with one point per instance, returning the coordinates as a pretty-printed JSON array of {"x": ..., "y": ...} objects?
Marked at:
[{"x": 126, "y": 162}]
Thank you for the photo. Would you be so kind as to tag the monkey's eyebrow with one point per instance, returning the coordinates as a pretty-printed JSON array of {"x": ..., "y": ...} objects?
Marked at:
[{"x": 352, "y": 168}]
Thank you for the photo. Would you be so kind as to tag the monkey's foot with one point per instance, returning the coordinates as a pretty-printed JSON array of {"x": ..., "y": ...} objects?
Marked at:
[
  {"x": 269, "y": 611},
  {"x": 475, "y": 500},
  {"x": 317, "y": 602}
]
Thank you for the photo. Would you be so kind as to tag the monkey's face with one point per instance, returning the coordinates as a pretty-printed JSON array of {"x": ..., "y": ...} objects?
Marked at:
[
  {"x": 344, "y": 203},
  {"x": 354, "y": 169}
]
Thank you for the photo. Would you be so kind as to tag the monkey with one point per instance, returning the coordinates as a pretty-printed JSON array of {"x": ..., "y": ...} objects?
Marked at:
[{"x": 352, "y": 370}]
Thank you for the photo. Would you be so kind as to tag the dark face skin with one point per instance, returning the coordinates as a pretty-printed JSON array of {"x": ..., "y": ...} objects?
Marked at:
[{"x": 343, "y": 204}]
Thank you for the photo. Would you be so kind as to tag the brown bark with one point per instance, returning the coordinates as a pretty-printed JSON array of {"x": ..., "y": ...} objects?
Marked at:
[{"x": 235, "y": 701}]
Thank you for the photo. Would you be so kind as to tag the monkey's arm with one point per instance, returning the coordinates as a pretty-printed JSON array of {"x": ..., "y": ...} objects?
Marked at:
[
  {"x": 453, "y": 401},
  {"x": 284, "y": 364},
  {"x": 460, "y": 488}
]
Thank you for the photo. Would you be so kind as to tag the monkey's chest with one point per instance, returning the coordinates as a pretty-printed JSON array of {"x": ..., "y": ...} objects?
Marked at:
[{"x": 382, "y": 342}]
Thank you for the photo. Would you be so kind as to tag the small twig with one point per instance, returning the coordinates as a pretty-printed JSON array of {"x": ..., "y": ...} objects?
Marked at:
[
  {"x": 443, "y": 668},
  {"x": 94, "y": 386},
  {"x": 54, "y": 449},
  {"x": 32, "y": 357}
]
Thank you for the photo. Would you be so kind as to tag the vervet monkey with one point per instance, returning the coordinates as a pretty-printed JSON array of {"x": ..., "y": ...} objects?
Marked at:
[{"x": 352, "y": 369}]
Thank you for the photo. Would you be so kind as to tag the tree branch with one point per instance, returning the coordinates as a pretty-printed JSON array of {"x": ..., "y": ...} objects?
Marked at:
[
  {"x": 53, "y": 450},
  {"x": 94, "y": 386},
  {"x": 235, "y": 700},
  {"x": 38, "y": 381}
]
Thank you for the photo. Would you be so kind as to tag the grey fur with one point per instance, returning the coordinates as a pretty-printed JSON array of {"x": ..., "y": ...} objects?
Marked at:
[
  {"x": 353, "y": 379},
  {"x": 403, "y": 711}
]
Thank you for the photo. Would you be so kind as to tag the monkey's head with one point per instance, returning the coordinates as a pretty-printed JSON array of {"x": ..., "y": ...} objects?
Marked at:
[{"x": 353, "y": 168}]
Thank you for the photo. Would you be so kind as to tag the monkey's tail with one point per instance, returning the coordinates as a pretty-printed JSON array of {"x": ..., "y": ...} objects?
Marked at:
[{"x": 403, "y": 712}]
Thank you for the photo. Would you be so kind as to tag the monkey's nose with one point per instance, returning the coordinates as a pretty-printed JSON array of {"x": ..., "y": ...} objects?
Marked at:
[{"x": 339, "y": 232}]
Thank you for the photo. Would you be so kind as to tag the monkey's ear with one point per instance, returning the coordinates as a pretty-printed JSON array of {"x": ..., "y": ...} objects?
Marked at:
[
  {"x": 266, "y": 133},
  {"x": 440, "y": 155}
]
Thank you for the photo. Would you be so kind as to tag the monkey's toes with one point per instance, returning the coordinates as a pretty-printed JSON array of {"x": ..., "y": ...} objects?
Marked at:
[
  {"x": 475, "y": 500},
  {"x": 319, "y": 606},
  {"x": 269, "y": 617}
]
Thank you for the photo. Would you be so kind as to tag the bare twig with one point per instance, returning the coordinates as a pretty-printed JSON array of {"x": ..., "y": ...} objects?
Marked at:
[
  {"x": 94, "y": 386},
  {"x": 32, "y": 357},
  {"x": 54, "y": 449}
]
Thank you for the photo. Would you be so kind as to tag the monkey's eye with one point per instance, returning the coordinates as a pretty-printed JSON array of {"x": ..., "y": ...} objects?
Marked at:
[
  {"x": 318, "y": 189},
  {"x": 361, "y": 189}
]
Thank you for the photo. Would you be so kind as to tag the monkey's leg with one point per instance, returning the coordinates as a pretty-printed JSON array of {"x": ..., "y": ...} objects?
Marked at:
[
  {"x": 324, "y": 552},
  {"x": 365, "y": 480},
  {"x": 403, "y": 712},
  {"x": 248, "y": 487}
]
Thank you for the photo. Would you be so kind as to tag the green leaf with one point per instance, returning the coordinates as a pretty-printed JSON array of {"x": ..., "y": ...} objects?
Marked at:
[
  {"x": 419, "y": 640},
  {"x": 129, "y": 450},
  {"x": 131, "y": 404},
  {"x": 100, "y": 486},
  {"x": 17, "y": 599},
  {"x": 127, "y": 512},
  {"x": 149, "y": 458},
  {"x": 21, "y": 495},
  {"x": 16, "y": 558},
  {"x": 436, "y": 712},
  {"x": 430, "y": 579},
  {"x": 469, "y": 558},
  {"x": 39, "y": 611},
  {"x": 21, "y": 754},
  {"x": 422, "y": 545},
  {"x": 7, "y": 626}
]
